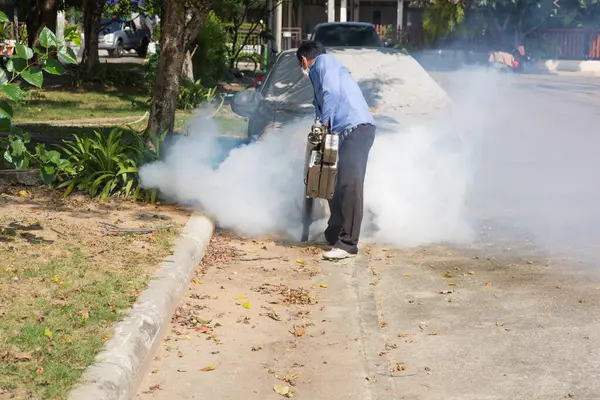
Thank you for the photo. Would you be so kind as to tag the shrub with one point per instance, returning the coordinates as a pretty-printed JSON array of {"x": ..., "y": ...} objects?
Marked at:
[
  {"x": 104, "y": 165},
  {"x": 193, "y": 95},
  {"x": 210, "y": 59}
]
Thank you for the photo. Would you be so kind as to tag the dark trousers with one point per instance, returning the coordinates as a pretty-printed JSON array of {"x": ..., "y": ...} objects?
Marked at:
[{"x": 346, "y": 206}]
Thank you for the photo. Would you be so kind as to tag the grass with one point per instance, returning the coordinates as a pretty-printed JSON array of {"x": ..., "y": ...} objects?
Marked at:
[
  {"x": 40, "y": 108},
  {"x": 72, "y": 104},
  {"x": 61, "y": 294}
]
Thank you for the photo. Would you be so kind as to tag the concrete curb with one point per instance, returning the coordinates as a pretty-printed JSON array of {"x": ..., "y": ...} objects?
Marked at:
[{"x": 120, "y": 367}]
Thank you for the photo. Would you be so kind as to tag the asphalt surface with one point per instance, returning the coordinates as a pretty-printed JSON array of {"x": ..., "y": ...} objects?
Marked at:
[
  {"x": 513, "y": 315},
  {"x": 537, "y": 151}
]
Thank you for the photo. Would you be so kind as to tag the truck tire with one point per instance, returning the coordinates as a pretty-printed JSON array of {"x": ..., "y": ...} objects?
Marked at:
[{"x": 119, "y": 50}]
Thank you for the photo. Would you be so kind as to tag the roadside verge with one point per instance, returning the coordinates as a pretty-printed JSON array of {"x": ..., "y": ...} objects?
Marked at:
[{"x": 119, "y": 368}]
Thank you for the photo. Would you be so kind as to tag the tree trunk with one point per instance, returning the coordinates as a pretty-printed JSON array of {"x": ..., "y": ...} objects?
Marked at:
[
  {"x": 42, "y": 14},
  {"x": 176, "y": 38},
  {"x": 188, "y": 67},
  {"x": 91, "y": 21}
]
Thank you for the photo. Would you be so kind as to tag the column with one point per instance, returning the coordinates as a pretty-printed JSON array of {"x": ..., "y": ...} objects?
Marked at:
[
  {"x": 278, "y": 25},
  {"x": 399, "y": 15},
  {"x": 60, "y": 26},
  {"x": 356, "y": 10},
  {"x": 330, "y": 10},
  {"x": 344, "y": 10}
]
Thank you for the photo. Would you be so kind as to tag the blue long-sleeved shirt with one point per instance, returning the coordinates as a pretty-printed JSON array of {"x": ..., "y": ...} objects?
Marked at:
[{"x": 337, "y": 95}]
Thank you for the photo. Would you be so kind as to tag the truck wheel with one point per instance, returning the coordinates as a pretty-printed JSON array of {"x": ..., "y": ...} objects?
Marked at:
[
  {"x": 118, "y": 52},
  {"x": 143, "y": 49}
]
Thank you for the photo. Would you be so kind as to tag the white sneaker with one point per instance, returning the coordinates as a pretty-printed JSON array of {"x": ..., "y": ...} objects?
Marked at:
[{"x": 337, "y": 254}]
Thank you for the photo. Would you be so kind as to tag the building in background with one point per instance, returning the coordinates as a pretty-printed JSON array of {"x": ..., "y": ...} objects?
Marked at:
[{"x": 294, "y": 20}]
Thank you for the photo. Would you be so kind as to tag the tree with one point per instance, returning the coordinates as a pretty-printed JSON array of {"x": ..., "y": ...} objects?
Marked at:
[
  {"x": 181, "y": 21},
  {"x": 442, "y": 17},
  {"x": 92, "y": 11},
  {"x": 41, "y": 14},
  {"x": 236, "y": 12},
  {"x": 516, "y": 19}
]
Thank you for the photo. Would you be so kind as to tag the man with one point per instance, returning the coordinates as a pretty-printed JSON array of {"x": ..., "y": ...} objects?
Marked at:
[{"x": 339, "y": 101}]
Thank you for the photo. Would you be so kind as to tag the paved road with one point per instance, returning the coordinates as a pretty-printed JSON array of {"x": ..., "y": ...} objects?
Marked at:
[
  {"x": 539, "y": 153},
  {"x": 513, "y": 316}
]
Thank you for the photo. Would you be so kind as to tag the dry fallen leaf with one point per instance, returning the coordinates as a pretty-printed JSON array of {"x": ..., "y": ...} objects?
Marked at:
[
  {"x": 256, "y": 348},
  {"x": 323, "y": 285},
  {"x": 282, "y": 390},
  {"x": 273, "y": 315},
  {"x": 451, "y": 284},
  {"x": 406, "y": 274},
  {"x": 299, "y": 332},
  {"x": 301, "y": 262},
  {"x": 403, "y": 335},
  {"x": 447, "y": 275},
  {"x": 209, "y": 368},
  {"x": 179, "y": 354},
  {"x": 246, "y": 305},
  {"x": 48, "y": 333},
  {"x": 241, "y": 298},
  {"x": 204, "y": 329}
]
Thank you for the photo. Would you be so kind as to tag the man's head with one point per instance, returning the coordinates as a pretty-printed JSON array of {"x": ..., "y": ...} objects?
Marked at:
[{"x": 307, "y": 53}]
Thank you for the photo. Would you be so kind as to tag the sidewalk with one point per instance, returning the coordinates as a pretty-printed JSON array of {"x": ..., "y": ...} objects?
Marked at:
[
  {"x": 422, "y": 324},
  {"x": 272, "y": 319}
]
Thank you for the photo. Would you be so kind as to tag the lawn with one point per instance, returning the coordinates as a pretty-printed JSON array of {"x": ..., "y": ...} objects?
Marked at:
[
  {"x": 63, "y": 112},
  {"x": 72, "y": 104},
  {"x": 65, "y": 281}
]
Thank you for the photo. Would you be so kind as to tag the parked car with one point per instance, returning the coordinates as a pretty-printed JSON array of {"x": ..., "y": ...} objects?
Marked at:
[
  {"x": 285, "y": 94},
  {"x": 117, "y": 35},
  {"x": 354, "y": 34}
]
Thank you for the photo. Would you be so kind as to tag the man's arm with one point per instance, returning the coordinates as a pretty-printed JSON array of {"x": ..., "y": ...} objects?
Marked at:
[
  {"x": 317, "y": 108},
  {"x": 329, "y": 77}
]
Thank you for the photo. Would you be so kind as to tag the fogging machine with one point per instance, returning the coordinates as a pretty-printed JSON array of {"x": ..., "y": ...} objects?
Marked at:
[{"x": 320, "y": 170}]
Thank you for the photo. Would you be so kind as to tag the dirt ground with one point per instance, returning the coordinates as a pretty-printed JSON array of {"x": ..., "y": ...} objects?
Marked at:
[
  {"x": 265, "y": 319},
  {"x": 67, "y": 273}
]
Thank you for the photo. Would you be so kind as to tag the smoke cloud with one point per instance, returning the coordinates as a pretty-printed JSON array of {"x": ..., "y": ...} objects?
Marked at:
[
  {"x": 415, "y": 190},
  {"x": 507, "y": 158}
]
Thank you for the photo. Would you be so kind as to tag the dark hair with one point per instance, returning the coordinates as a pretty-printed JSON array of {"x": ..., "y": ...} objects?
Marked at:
[{"x": 310, "y": 49}]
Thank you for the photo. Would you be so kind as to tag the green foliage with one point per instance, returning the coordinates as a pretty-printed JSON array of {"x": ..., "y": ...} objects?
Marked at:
[
  {"x": 71, "y": 35},
  {"x": 19, "y": 154},
  {"x": 105, "y": 165},
  {"x": 193, "y": 95},
  {"x": 442, "y": 17},
  {"x": 16, "y": 149},
  {"x": 211, "y": 57},
  {"x": 151, "y": 69}
]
